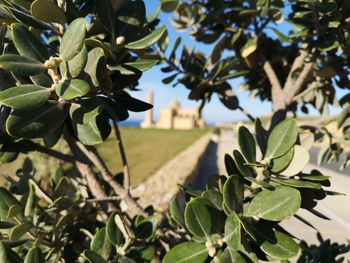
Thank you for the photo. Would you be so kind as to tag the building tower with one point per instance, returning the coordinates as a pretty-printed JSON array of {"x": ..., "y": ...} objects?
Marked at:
[{"x": 148, "y": 121}]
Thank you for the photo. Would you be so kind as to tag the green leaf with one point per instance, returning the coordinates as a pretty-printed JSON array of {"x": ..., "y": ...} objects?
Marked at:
[
  {"x": 73, "y": 39},
  {"x": 105, "y": 12},
  {"x": 114, "y": 234},
  {"x": 230, "y": 165},
  {"x": 21, "y": 65},
  {"x": 53, "y": 138},
  {"x": 93, "y": 257},
  {"x": 7, "y": 255},
  {"x": 94, "y": 132},
  {"x": 261, "y": 136},
  {"x": 6, "y": 225},
  {"x": 233, "y": 256},
  {"x": 85, "y": 110},
  {"x": 247, "y": 144},
  {"x": 147, "y": 40},
  {"x": 130, "y": 19},
  {"x": 34, "y": 256},
  {"x": 28, "y": 44},
  {"x": 175, "y": 212},
  {"x": 280, "y": 163},
  {"x": 71, "y": 89},
  {"x": 37, "y": 123},
  {"x": 47, "y": 11},
  {"x": 30, "y": 201},
  {"x": 25, "y": 97},
  {"x": 233, "y": 231},
  {"x": 276, "y": 244},
  {"x": 94, "y": 70},
  {"x": 197, "y": 217},
  {"x": 76, "y": 65},
  {"x": 234, "y": 194},
  {"x": 64, "y": 187},
  {"x": 146, "y": 228},
  {"x": 131, "y": 68},
  {"x": 6, "y": 201},
  {"x": 28, "y": 19},
  {"x": 282, "y": 138},
  {"x": 275, "y": 205},
  {"x": 281, "y": 36},
  {"x": 187, "y": 252},
  {"x": 169, "y": 6},
  {"x": 214, "y": 197},
  {"x": 20, "y": 230},
  {"x": 240, "y": 161},
  {"x": 101, "y": 243},
  {"x": 300, "y": 159},
  {"x": 131, "y": 104},
  {"x": 250, "y": 47},
  {"x": 15, "y": 211},
  {"x": 153, "y": 16},
  {"x": 297, "y": 183},
  {"x": 316, "y": 178},
  {"x": 42, "y": 80}
]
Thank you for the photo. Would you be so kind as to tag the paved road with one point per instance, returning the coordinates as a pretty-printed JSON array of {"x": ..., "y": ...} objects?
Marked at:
[{"x": 337, "y": 208}]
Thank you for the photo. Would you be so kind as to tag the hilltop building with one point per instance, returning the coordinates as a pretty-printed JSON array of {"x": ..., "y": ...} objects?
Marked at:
[{"x": 173, "y": 117}]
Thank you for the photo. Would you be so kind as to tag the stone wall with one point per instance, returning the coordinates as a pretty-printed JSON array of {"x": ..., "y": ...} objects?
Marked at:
[{"x": 160, "y": 188}]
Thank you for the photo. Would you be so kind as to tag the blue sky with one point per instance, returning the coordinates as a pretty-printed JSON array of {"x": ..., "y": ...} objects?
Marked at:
[{"x": 214, "y": 112}]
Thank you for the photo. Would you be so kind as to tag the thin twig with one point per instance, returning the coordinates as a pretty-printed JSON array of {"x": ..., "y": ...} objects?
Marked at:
[
  {"x": 301, "y": 94},
  {"x": 53, "y": 153},
  {"x": 126, "y": 169},
  {"x": 246, "y": 113},
  {"x": 102, "y": 200}
]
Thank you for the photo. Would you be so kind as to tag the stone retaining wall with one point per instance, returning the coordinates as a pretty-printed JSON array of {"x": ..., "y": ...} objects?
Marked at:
[{"x": 161, "y": 187}]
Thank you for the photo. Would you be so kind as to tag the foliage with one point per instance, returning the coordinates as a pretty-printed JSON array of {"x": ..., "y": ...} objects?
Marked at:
[
  {"x": 236, "y": 219},
  {"x": 307, "y": 68},
  {"x": 66, "y": 67}
]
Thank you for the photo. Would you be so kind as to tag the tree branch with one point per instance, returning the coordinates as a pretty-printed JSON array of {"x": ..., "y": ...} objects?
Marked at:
[
  {"x": 126, "y": 169},
  {"x": 92, "y": 180},
  {"x": 298, "y": 63},
  {"x": 277, "y": 94},
  {"x": 293, "y": 85},
  {"x": 53, "y": 153},
  {"x": 133, "y": 207}
]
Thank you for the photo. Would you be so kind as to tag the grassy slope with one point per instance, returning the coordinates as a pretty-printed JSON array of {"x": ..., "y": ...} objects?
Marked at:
[{"x": 147, "y": 150}]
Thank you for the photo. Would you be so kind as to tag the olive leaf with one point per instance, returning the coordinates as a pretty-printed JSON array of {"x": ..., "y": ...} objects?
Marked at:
[
  {"x": 21, "y": 65},
  {"x": 275, "y": 205},
  {"x": 36, "y": 123},
  {"x": 28, "y": 44},
  {"x": 187, "y": 252},
  {"x": 73, "y": 39},
  {"x": 148, "y": 40},
  {"x": 197, "y": 217},
  {"x": 71, "y": 89},
  {"x": 34, "y": 255},
  {"x": 47, "y": 11},
  {"x": 25, "y": 97},
  {"x": 234, "y": 194},
  {"x": 247, "y": 144},
  {"x": 282, "y": 138}
]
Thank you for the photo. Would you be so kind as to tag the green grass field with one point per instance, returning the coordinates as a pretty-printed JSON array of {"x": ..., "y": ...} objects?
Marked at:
[{"x": 147, "y": 150}]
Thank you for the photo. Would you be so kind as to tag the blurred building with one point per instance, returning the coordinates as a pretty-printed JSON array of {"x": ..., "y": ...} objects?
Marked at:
[{"x": 173, "y": 117}]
